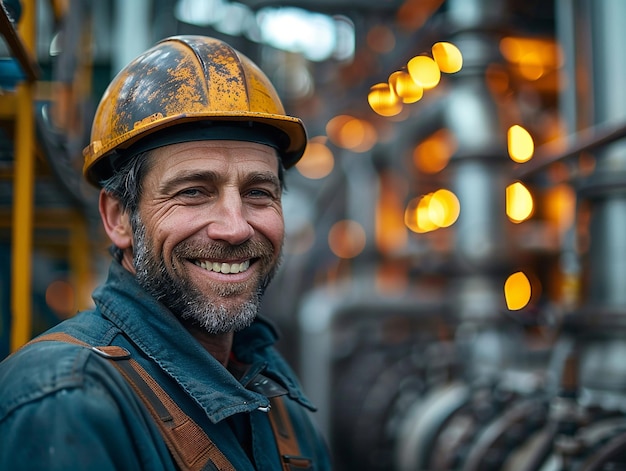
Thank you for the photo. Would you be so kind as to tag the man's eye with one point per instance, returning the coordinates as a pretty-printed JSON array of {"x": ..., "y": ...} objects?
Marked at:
[
  {"x": 189, "y": 192},
  {"x": 257, "y": 193}
]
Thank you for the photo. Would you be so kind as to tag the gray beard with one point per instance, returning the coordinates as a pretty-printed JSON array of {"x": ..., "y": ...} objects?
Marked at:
[{"x": 186, "y": 301}]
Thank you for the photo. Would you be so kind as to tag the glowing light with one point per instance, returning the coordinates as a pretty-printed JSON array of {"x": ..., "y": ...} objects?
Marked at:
[
  {"x": 334, "y": 127},
  {"x": 352, "y": 133},
  {"x": 519, "y": 202},
  {"x": 531, "y": 66},
  {"x": 383, "y": 100},
  {"x": 433, "y": 153},
  {"x": 432, "y": 211},
  {"x": 444, "y": 208},
  {"x": 448, "y": 57},
  {"x": 405, "y": 87},
  {"x": 423, "y": 213},
  {"x": 346, "y": 239},
  {"x": 520, "y": 144},
  {"x": 560, "y": 206},
  {"x": 391, "y": 234},
  {"x": 318, "y": 160},
  {"x": 531, "y": 51},
  {"x": 532, "y": 56},
  {"x": 358, "y": 135},
  {"x": 424, "y": 71},
  {"x": 517, "y": 291},
  {"x": 410, "y": 215}
]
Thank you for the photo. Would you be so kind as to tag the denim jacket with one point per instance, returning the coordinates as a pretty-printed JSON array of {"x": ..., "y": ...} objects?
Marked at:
[{"x": 63, "y": 407}]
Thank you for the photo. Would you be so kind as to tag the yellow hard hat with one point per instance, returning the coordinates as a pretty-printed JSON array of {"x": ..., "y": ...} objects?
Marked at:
[{"x": 188, "y": 88}]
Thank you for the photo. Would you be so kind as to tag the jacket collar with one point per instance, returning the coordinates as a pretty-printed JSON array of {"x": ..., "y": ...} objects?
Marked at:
[{"x": 159, "y": 335}]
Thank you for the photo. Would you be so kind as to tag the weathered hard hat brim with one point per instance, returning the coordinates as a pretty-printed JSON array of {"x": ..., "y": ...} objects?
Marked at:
[{"x": 287, "y": 135}]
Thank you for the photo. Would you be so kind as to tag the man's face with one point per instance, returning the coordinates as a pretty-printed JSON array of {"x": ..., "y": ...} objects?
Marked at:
[{"x": 210, "y": 230}]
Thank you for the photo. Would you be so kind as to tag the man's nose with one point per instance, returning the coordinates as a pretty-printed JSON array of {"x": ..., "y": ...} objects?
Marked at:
[{"x": 228, "y": 221}]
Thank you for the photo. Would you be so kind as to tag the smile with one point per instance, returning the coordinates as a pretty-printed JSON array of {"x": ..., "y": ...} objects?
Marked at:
[{"x": 223, "y": 267}]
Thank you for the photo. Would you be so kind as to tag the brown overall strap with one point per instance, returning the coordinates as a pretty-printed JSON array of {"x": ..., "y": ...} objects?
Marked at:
[
  {"x": 191, "y": 448},
  {"x": 286, "y": 438}
]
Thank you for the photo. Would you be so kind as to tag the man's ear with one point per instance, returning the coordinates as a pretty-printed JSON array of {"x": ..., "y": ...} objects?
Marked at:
[{"x": 115, "y": 221}]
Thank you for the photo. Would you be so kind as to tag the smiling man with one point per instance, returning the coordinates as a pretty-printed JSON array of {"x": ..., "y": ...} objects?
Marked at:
[{"x": 173, "y": 369}]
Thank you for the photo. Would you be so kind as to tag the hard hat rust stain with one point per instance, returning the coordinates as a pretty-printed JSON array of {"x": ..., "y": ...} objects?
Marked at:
[
  {"x": 180, "y": 80},
  {"x": 148, "y": 120}
]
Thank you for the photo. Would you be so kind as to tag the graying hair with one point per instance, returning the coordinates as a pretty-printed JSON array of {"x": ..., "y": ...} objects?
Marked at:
[{"x": 125, "y": 185}]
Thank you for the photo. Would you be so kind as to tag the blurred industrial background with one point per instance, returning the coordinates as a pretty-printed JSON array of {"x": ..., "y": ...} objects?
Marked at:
[{"x": 453, "y": 294}]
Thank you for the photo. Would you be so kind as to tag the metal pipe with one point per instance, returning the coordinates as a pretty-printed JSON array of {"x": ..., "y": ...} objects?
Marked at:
[
  {"x": 22, "y": 45},
  {"x": 23, "y": 195},
  {"x": 607, "y": 253}
]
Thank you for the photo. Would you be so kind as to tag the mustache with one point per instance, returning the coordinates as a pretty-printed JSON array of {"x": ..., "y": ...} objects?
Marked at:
[{"x": 250, "y": 249}]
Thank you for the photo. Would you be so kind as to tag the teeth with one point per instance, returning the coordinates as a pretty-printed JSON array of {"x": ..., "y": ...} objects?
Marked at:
[{"x": 224, "y": 267}]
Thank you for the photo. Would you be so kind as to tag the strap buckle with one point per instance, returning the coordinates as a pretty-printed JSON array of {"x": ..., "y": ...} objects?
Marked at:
[
  {"x": 112, "y": 352},
  {"x": 295, "y": 463}
]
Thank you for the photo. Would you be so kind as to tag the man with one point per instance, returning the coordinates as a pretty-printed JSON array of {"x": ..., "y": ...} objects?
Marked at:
[{"x": 173, "y": 369}]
